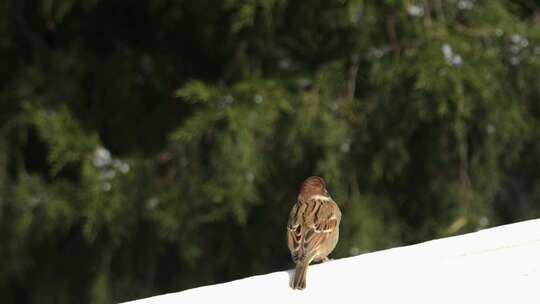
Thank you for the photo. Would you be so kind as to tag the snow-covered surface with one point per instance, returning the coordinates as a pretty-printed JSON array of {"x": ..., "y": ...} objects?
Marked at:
[{"x": 497, "y": 265}]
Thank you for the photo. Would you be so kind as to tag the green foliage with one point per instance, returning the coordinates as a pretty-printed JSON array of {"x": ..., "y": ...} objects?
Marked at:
[
  {"x": 60, "y": 131},
  {"x": 148, "y": 148}
]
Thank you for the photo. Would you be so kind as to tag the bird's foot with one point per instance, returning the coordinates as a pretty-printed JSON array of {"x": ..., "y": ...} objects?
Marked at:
[{"x": 326, "y": 259}]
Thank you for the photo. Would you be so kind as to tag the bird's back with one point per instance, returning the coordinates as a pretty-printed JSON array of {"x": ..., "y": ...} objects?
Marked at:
[{"x": 313, "y": 228}]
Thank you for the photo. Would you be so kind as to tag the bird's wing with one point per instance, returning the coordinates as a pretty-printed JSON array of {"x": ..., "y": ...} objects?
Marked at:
[
  {"x": 310, "y": 224},
  {"x": 294, "y": 230}
]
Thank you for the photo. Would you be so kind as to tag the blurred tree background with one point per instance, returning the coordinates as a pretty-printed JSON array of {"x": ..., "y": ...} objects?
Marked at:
[{"x": 156, "y": 146}]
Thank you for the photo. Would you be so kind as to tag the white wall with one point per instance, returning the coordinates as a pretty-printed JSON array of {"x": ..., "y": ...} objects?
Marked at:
[{"x": 497, "y": 265}]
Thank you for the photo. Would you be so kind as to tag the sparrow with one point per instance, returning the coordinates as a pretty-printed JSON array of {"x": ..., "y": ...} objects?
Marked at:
[{"x": 313, "y": 227}]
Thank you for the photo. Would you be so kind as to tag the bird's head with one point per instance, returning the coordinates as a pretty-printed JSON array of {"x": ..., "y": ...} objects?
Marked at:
[{"x": 313, "y": 186}]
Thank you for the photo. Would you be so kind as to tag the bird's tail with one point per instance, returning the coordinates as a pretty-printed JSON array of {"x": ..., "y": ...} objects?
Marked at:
[{"x": 299, "y": 280}]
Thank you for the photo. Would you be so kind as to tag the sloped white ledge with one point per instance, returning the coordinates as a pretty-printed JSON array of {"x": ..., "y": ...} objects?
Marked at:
[{"x": 497, "y": 265}]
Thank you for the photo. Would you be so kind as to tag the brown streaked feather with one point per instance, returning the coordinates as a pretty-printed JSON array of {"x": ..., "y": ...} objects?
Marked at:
[{"x": 310, "y": 224}]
